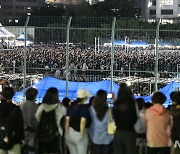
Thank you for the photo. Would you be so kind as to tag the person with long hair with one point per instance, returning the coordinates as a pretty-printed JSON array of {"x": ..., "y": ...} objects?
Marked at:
[
  {"x": 50, "y": 107},
  {"x": 77, "y": 122},
  {"x": 125, "y": 117},
  {"x": 101, "y": 140}
]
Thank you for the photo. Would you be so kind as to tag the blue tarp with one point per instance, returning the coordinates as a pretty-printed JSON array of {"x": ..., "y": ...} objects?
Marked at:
[
  {"x": 139, "y": 43},
  {"x": 165, "y": 43},
  {"x": 166, "y": 91},
  {"x": 120, "y": 42},
  {"x": 73, "y": 87}
]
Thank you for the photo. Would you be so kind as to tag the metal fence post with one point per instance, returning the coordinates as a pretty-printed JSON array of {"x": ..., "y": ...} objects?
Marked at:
[
  {"x": 95, "y": 45},
  {"x": 112, "y": 52},
  {"x": 177, "y": 72},
  {"x": 25, "y": 56},
  {"x": 67, "y": 54},
  {"x": 156, "y": 54}
]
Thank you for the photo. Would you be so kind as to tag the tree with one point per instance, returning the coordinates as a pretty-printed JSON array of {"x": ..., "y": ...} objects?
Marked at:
[{"x": 116, "y": 8}]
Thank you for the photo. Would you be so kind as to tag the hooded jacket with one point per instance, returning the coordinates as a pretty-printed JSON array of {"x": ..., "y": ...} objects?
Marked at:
[
  {"x": 158, "y": 122},
  {"x": 175, "y": 111}
]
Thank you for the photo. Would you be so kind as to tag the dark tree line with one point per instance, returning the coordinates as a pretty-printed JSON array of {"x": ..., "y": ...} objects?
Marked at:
[{"x": 119, "y": 8}]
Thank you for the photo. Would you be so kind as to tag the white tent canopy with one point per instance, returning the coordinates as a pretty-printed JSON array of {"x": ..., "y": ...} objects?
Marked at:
[
  {"x": 6, "y": 32},
  {"x": 2, "y": 35},
  {"x": 20, "y": 41},
  {"x": 21, "y": 37}
]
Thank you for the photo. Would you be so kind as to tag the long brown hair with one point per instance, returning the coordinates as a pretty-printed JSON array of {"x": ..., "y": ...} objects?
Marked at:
[{"x": 51, "y": 96}]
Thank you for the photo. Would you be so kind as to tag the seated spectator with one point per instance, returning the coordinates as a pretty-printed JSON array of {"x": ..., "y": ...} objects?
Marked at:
[{"x": 158, "y": 123}]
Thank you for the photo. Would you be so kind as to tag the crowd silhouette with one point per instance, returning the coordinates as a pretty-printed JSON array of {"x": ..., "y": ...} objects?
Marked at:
[{"x": 78, "y": 127}]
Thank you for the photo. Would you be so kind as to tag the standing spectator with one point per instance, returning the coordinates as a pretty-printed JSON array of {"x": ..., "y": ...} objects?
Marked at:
[
  {"x": 28, "y": 110},
  {"x": 11, "y": 124},
  {"x": 175, "y": 134},
  {"x": 101, "y": 140},
  {"x": 140, "y": 126},
  {"x": 172, "y": 96},
  {"x": 66, "y": 102},
  {"x": 49, "y": 115},
  {"x": 77, "y": 122},
  {"x": 158, "y": 124},
  {"x": 125, "y": 117},
  {"x": 91, "y": 101}
]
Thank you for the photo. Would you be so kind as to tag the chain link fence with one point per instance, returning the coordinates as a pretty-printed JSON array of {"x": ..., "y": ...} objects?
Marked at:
[{"x": 91, "y": 49}]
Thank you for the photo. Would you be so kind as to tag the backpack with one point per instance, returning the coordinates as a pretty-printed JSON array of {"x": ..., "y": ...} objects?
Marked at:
[
  {"x": 7, "y": 135},
  {"x": 47, "y": 130}
]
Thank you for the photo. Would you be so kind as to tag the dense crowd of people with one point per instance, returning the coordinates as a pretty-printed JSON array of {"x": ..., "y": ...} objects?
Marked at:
[
  {"x": 78, "y": 127},
  {"x": 86, "y": 65},
  {"x": 51, "y": 58}
]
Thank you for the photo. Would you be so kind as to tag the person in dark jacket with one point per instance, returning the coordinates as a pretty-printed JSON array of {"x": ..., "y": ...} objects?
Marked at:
[
  {"x": 11, "y": 120},
  {"x": 99, "y": 111},
  {"x": 175, "y": 134},
  {"x": 125, "y": 117}
]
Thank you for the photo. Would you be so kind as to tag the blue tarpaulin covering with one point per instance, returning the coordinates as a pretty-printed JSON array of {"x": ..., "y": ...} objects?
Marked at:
[
  {"x": 139, "y": 43},
  {"x": 73, "y": 87},
  {"x": 165, "y": 43},
  {"x": 166, "y": 91},
  {"x": 120, "y": 42}
]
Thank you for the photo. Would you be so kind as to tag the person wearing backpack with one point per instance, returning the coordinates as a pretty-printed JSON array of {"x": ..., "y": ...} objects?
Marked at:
[
  {"x": 11, "y": 124},
  {"x": 49, "y": 115},
  {"x": 28, "y": 110}
]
